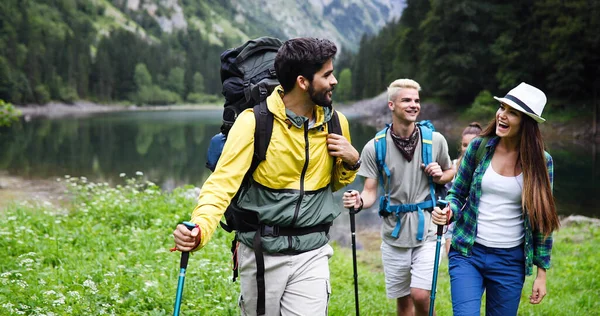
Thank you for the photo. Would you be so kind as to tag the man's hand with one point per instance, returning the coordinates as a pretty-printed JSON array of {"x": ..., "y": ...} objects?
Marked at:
[
  {"x": 434, "y": 170},
  {"x": 185, "y": 239},
  {"x": 338, "y": 146},
  {"x": 351, "y": 199}
]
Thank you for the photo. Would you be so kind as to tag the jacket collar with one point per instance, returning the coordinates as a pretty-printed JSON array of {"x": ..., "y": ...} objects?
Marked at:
[{"x": 277, "y": 107}]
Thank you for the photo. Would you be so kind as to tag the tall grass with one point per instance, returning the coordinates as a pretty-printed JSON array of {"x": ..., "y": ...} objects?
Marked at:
[{"x": 107, "y": 254}]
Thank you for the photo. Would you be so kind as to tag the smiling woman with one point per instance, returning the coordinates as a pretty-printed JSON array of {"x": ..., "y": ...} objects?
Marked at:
[{"x": 504, "y": 209}]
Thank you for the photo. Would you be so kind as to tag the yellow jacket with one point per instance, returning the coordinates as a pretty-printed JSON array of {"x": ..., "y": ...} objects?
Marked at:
[{"x": 290, "y": 188}]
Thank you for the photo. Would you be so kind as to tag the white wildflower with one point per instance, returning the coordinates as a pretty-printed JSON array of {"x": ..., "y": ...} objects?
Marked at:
[
  {"x": 8, "y": 306},
  {"x": 91, "y": 285},
  {"x": 26, "y": 262},
  {"x": 122, "y": 174},
  {"x": 60, "y": 300},
  {"x": 139, "y": 173}
]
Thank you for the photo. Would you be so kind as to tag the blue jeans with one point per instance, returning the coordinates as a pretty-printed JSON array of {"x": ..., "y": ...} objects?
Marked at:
[{"x": 500, "y": 272}]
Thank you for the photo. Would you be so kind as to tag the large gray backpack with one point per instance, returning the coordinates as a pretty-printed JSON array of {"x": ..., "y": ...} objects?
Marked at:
[{"x": 248, "y": 76}]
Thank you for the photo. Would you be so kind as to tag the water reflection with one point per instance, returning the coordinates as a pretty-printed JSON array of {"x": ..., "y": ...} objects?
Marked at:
[{"x": 169, "y": 147}]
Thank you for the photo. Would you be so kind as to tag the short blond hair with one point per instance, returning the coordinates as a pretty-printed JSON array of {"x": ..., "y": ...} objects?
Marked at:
[{"x": 400, "y": 84}]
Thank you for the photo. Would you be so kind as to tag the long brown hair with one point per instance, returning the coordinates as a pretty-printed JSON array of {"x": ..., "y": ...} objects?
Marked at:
[{"x": 537, "y": 199}]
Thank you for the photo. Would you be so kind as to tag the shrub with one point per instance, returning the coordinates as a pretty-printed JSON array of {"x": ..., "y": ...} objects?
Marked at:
[
  {"x": 154, "y": 95},
  {"x": 483, "y": 108},
  {"x": 42, "y": 95},
  {"x": 8, "y": 113},
  {"x": 201, "y": 98},
  {"x": 68, "y": 94}
]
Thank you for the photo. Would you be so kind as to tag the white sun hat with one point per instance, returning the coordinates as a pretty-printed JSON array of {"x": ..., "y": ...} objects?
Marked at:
[{"x": 527, "y": 99}]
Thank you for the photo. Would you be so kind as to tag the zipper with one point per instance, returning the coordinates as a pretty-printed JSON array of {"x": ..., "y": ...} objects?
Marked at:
[{"x": 302, "y": 175}]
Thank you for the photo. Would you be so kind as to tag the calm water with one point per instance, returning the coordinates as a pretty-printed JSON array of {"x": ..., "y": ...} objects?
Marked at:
[{"x": 169, "y": 147}]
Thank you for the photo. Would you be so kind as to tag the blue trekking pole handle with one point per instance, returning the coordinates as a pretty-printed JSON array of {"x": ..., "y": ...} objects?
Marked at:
[
  {"x": 185, "y": 255},
  {"x": 440, "y": 230}
]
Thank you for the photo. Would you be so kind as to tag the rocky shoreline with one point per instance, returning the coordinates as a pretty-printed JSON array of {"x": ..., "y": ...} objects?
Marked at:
[
  {"x": 85, "y": 108},
  {"x": 372, "y": 111}
]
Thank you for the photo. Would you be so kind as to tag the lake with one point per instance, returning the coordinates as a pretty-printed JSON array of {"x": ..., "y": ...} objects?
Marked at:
[{"x": 169, "y": 148}]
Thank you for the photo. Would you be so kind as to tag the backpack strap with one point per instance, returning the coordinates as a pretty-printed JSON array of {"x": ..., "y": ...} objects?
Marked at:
[
  {"x": 427, "y": 151},
  {"x": 262, "y": 138},
  {"x": 333, "y": 125},
  {"x": 262, "y": 134},
  {"x": 427, "y": 156},
  {"x": 481, "y": 150},
  {"x": 380, "y": 152}
]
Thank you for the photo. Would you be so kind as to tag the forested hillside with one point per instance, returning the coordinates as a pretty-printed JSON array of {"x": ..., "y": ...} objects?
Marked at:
[
  {"x": 457, "y": 48},
  {"x": 155, "y": 51}
]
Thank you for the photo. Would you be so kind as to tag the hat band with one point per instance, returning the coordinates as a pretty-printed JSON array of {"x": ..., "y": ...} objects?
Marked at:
[{"x": 521, "y": 103}]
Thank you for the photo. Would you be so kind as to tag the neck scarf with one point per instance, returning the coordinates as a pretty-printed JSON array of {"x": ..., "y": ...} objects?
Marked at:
[{"x": 406, "y": 145}]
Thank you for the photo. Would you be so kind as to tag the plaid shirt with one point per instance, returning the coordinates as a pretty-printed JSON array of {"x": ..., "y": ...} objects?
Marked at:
[{"x": 468, "y": 184}]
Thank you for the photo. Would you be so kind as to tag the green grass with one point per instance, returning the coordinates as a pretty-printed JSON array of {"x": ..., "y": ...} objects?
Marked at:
[{"x": 107, "y": 253}]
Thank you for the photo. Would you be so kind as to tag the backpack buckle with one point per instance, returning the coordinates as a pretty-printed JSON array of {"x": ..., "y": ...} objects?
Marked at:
[{"x": 266, "y": 230}]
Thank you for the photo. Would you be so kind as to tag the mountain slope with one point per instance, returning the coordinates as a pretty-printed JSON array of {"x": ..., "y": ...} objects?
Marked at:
[{"x": 234, "y": 21}]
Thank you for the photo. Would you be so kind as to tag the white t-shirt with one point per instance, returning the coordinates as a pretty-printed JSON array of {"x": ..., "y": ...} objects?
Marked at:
[{"x": 500, "y": 219}]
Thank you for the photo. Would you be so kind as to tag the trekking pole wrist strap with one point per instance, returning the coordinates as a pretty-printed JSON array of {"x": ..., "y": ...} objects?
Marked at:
[{"x": 360, "y": 207}]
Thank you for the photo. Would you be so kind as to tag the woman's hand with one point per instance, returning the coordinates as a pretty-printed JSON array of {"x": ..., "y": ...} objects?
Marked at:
[
  {"x": 441, "y": 217},
  {"x": 539, "y": 287}
]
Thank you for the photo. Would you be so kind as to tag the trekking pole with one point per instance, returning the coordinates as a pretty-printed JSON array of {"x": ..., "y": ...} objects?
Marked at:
[
  {"x": 185, "y": 255},
  {"x": 353, "y": 231},
  {"x": 440, "y": 230}
]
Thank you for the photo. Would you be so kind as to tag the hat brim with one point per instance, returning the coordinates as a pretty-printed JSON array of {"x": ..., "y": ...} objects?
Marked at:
[{"x": 517, "y": 107}]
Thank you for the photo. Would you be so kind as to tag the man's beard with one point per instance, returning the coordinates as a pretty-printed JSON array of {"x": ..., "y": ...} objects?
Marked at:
[{"x": 319, "y": 98}]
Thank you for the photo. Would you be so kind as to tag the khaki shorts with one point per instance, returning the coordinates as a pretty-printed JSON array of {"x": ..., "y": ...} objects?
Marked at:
[
  {"x": 407, "y": 268},
  {"x": 294, "y": 284}
]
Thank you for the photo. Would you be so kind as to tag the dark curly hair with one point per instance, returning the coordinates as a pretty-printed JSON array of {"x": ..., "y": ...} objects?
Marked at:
[{"x": 302, "y": 56}]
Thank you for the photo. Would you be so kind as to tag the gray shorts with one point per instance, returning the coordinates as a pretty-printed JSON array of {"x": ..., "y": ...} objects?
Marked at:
[
  {"x": 294, "y": 284},
  {"x": 407, "y": 268}
]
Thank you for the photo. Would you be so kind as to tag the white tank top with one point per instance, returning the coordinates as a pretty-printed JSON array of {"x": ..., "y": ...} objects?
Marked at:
[{"x": 500, "y": 221}]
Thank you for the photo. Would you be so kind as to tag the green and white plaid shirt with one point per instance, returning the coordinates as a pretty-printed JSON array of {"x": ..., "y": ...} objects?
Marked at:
[{"x": 467, "y": 189}]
